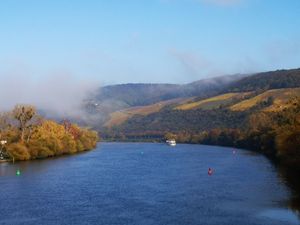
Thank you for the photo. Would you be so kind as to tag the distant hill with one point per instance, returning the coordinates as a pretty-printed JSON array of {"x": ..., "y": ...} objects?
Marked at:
[
  {"x": 145, "y": 94},
  {"x": 278, "y": 98},
  {"x": 222, "y": 111},
  {"x": 112, "y": 105},
  {"x": 266, "y": 81},
  {"x": 118, "y": 117},
  {"x": 219, "y": 102},
  {"x": 139, "y": 94},
  {"x": 214, "y": 102},
  {"x": 116, "y": 98}
]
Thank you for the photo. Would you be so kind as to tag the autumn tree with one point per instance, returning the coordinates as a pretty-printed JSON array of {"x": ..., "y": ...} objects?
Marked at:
[
  {"x": 170, "y": 136},
  {"x": 23, "y": 114},
  {"x": 4, "y": 124},
  {"x": 18, "y": 151}
]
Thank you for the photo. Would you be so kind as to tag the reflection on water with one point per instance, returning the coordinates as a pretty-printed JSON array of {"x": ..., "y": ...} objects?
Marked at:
[
  {"x": 291, "y": 177},
  {"x": 280, "y": 215},
  {"x": 142, "y": 183},
  {"x": 9, "y": 169}
]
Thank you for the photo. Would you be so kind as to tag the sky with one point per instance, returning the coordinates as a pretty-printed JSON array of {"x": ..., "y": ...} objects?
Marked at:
[
  {"x": 169, "y": 41},
  {"x": 54, "y": 52}
]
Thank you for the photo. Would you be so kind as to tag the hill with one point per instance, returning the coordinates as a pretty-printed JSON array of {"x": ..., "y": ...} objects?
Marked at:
[
  {"x": 107, "y": 107},
  {"x": 214, "y": 102},
  {"x": 145, "y": 94},
  {"x": 266, "y": 81},
  {"x": 278, "y": 98},
  {"x": 116, "y": 98},
  {"x": 223, "y": 111},
  {"x": 118, "y": 117}
]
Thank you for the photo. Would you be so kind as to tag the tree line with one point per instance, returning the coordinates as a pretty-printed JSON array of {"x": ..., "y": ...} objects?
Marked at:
[
  {"x": 275, "y": 134},
  {"x": 25, "y": 135}
]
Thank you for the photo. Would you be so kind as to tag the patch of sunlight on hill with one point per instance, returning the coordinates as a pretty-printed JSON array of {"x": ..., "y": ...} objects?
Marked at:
[
  {"x": 119, "y": 117},
  {"x": 214, "y": 102},
  {"x": 281, "y": 98}
]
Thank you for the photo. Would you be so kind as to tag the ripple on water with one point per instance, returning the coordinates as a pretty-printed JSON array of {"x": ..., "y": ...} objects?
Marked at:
[{"x": 283, "y": 215}]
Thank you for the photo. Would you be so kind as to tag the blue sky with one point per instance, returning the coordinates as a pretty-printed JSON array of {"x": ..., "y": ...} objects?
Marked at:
[{"x": 173, "y": 41}]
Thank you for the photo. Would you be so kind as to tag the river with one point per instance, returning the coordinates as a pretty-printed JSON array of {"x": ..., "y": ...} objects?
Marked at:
[{"x": 143, "y": 184}]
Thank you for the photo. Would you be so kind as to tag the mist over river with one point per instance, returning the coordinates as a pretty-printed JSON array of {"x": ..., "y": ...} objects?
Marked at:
[{"x": 145, "y": 183}]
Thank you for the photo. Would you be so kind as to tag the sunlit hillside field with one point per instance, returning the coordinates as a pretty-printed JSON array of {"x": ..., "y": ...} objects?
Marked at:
[
  {"x": 118, "y": 117},
  {"x": 214, "y": 102},
  {"x": 280, "y": 99},
  {"x": 271, "y": 101}
]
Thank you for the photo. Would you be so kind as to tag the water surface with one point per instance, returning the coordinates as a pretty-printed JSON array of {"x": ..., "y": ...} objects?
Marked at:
[{"x": 142, "y": 183}]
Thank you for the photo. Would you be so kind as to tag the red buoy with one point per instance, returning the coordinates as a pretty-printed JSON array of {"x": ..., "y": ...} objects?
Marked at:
[{"x": 210, "y": 171}]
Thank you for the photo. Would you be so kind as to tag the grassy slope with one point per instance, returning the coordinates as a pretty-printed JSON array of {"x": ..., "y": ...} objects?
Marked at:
[
  {"x": 280, "y": 99},
  {"x": 118, "y": 117},
  {"x": 234, "y": 101},
  {"x": 214, "y": 102}
]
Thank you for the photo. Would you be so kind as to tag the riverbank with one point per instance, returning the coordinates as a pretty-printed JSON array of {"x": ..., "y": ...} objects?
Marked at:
[
  {"x": 5, "y": 160},
  {"x": 25, "y": 135},
  {"x": 49, "y": 157}
]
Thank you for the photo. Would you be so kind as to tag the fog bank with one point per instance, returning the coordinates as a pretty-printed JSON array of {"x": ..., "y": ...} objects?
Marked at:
[{"x": 59, "y": 95}]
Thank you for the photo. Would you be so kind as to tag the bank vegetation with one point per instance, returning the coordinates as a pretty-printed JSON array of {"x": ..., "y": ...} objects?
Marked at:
[{"x": 25, "y": 135}]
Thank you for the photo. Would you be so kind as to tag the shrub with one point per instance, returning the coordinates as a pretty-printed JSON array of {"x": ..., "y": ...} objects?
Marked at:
[{"x": 18, "y": 151}]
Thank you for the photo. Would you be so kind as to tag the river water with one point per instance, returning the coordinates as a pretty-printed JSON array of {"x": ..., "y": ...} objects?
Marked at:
[{"x": 143, "y": 183}]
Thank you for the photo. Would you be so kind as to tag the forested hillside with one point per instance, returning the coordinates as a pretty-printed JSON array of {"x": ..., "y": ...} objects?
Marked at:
[
  {"x": 113, "y": 105},
  {"x": 266, "y": 81},
  {"x": 115, "y": 98},
  {"x": 145, "y": 94},
  {"x": 267, "y": 91},
  {"x": 260, "y": 112}
]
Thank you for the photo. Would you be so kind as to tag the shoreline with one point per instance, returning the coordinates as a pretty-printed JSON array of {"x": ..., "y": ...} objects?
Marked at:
[
  {"x": 5, "y": 160},
  {"x": 49, "y": 157}
]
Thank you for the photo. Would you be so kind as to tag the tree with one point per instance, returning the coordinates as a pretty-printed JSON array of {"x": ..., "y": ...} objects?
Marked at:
[
  {"x": 169, "y": 136},
  {"x": 4, "y": 124},
  {"x": 288, "y": 145},
  {"x": 50, "y": 135},
  {"x": 23, "y": 113},
  {"x": 18, "y": 151},
  {"x": 30, "y": 136}
]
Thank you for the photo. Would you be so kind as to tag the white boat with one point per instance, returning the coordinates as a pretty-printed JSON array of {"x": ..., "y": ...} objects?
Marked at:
[{"x": 171, "y": 142}]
